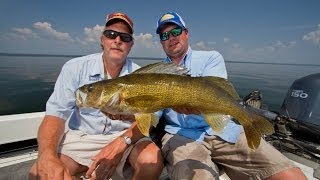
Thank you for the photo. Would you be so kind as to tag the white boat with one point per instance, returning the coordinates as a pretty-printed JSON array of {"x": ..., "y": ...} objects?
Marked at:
[{"x": 19, "y": 149}]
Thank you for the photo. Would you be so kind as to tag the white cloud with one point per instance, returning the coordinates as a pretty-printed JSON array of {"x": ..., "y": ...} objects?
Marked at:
[
  {"x": 226, "y": 40},
  {"x": 212, "y": 43},
  {"x": 280, "y": 44},
  {"x": 236, "y": 49},
  {"x": 146, "y": 40},
  {"x": 200, "y": 45},
  {"x": 47, "y": 28},
  {"x": 313, "y": 36},
  {"x": 91, "y": 35},
  {"x": 19, "y": 34},
  {"x": 25, "y": 32},
  {"x": 146, "y": 45},
  {"x": 277, "y": 46}
]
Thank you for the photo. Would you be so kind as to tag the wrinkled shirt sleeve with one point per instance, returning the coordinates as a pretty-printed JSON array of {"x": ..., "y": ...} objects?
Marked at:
[
  {"x": 62, "y": 101},
  {"x": 215, "y": 66}
]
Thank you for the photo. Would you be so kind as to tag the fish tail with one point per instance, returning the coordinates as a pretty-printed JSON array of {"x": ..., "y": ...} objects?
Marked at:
[
  {"x": 253, "y": 137},
  {"x": 258, "y": 127},
  {"x": 264, "y": 126}
]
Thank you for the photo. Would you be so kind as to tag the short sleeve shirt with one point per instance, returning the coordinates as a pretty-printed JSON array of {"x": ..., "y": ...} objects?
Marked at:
[
  {"x": 200, "y": 63},
  {"x": 74, "y": 74}
]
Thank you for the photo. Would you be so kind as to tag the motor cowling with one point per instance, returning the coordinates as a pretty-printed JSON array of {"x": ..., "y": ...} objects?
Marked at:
[{"x": 302, "y": 104}]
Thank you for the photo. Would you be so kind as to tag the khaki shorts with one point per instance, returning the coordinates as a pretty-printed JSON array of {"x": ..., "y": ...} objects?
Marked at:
[
  {"x": 81, "y": 147},
  {"x": 188, "y": 159}
]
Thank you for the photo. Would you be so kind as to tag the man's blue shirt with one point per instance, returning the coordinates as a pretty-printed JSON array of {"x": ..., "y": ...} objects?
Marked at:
[
  {"x": 200, "y": 63},
  {"x": 74, "y": 74}
]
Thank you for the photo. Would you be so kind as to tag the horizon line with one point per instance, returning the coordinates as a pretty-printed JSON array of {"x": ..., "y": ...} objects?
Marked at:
[{"x": 145, "y": 58}]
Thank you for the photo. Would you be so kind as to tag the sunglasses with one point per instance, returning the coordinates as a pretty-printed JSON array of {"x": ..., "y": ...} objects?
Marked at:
[
  {"x": 114, "y": 34},
  {"x": 174, "y": 32}
]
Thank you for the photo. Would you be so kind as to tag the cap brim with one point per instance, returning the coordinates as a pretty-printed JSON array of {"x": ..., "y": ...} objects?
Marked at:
[{"x": 168, "y": 21}]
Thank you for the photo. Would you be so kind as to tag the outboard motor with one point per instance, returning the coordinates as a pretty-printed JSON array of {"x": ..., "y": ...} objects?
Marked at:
[{"x": 302, "y": 106}]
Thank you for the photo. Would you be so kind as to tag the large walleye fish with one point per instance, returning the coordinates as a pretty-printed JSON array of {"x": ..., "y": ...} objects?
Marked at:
[{"x": 164, "y": 85}]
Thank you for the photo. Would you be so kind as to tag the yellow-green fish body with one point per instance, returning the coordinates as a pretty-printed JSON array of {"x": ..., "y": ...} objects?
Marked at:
[{"x": 142, "y": 94}]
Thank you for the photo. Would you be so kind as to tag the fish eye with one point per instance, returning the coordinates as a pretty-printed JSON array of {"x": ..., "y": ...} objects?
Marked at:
[{"x": 90, "y": 87}]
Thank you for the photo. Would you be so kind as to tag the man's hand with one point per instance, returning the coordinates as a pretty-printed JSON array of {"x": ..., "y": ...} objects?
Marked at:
[
  {"x": 187, "y": 111},
  {"x": 107, "y": 160},
  {"x": 50, "y": 167}
]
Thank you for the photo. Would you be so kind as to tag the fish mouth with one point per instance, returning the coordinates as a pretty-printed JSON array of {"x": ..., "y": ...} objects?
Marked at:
[{"x": 81, "y": 98}]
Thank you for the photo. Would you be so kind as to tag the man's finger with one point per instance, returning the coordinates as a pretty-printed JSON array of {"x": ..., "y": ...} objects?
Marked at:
[{"x": 91, "y": 169}]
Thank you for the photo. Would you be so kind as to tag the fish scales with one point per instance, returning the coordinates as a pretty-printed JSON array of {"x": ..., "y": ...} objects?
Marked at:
[{"x": 145, "y": 93}]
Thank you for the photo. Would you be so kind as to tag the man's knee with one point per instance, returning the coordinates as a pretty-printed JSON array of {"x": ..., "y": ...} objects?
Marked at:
[
  {"x": 146, "y": 155},
  {"x": 146, "y": 152},
  {"x": 292, "y": 173}
]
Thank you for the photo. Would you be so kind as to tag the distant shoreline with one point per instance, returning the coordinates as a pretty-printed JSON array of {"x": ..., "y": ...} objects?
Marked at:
[
  {"x": 60, "y": 55},
  {"x": 144, "y": 58}
]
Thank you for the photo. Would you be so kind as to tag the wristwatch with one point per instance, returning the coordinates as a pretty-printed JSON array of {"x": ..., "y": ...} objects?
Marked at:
[{"x": 127, "y": 139}]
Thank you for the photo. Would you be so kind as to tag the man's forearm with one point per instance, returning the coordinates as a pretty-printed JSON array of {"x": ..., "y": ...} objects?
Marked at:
[{"x": 50, "y": 133}]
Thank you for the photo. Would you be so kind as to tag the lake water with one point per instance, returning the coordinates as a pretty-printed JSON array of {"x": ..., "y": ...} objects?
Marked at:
[{"x": 26, "y": 81}]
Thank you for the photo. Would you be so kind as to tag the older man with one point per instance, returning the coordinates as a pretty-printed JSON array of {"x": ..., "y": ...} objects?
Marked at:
[{"x": 94, "y": 144}]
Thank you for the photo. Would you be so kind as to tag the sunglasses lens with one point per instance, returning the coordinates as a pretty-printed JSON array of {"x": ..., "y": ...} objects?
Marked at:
[
  {"x": 110, "y": 34},
  {"x": 113, "y": 34},
  {"x": 176, "y": 32},
  {"x": 164, "y": 36},
  {"x": 125, "y": 37}
]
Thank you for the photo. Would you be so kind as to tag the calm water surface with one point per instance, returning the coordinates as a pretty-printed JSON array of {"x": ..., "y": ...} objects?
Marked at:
[{"x": 26, "y": 82}]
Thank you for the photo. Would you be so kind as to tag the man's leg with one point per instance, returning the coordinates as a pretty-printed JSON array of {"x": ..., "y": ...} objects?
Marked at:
[
  {"x": 146, "y": 161},
  {"x": 241, "y": 162},
  {"x": 74, "y": 168},
  {"x": 292, "y": 173},
  {"x": 187, "y": 159}
]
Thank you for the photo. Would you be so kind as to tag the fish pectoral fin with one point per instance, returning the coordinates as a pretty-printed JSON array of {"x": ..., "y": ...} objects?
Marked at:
[
  {"x": 217, "y": 121},
  {"x": 114, "y": 100},
  {"x": 144, "y": 121}
]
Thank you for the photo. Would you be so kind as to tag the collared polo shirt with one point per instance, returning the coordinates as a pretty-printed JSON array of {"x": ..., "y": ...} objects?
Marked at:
[
  {"x": 200, "y": 63},
  {"x": 74, "y": 74}
]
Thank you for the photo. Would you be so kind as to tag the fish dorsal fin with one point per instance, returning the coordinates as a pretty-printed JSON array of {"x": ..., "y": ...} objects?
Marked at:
[
  {"x": 163, "y": 68},
  {"x": 223, "y": 84}
]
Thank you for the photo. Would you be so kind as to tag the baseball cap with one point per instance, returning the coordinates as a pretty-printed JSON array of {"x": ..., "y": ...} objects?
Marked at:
[
  {"x": 119, "y": 16},
  {"x": 170, "y": 17}
]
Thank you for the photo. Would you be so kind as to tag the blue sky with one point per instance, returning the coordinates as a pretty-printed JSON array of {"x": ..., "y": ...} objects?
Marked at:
[{"x": 285, "y": 31}]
